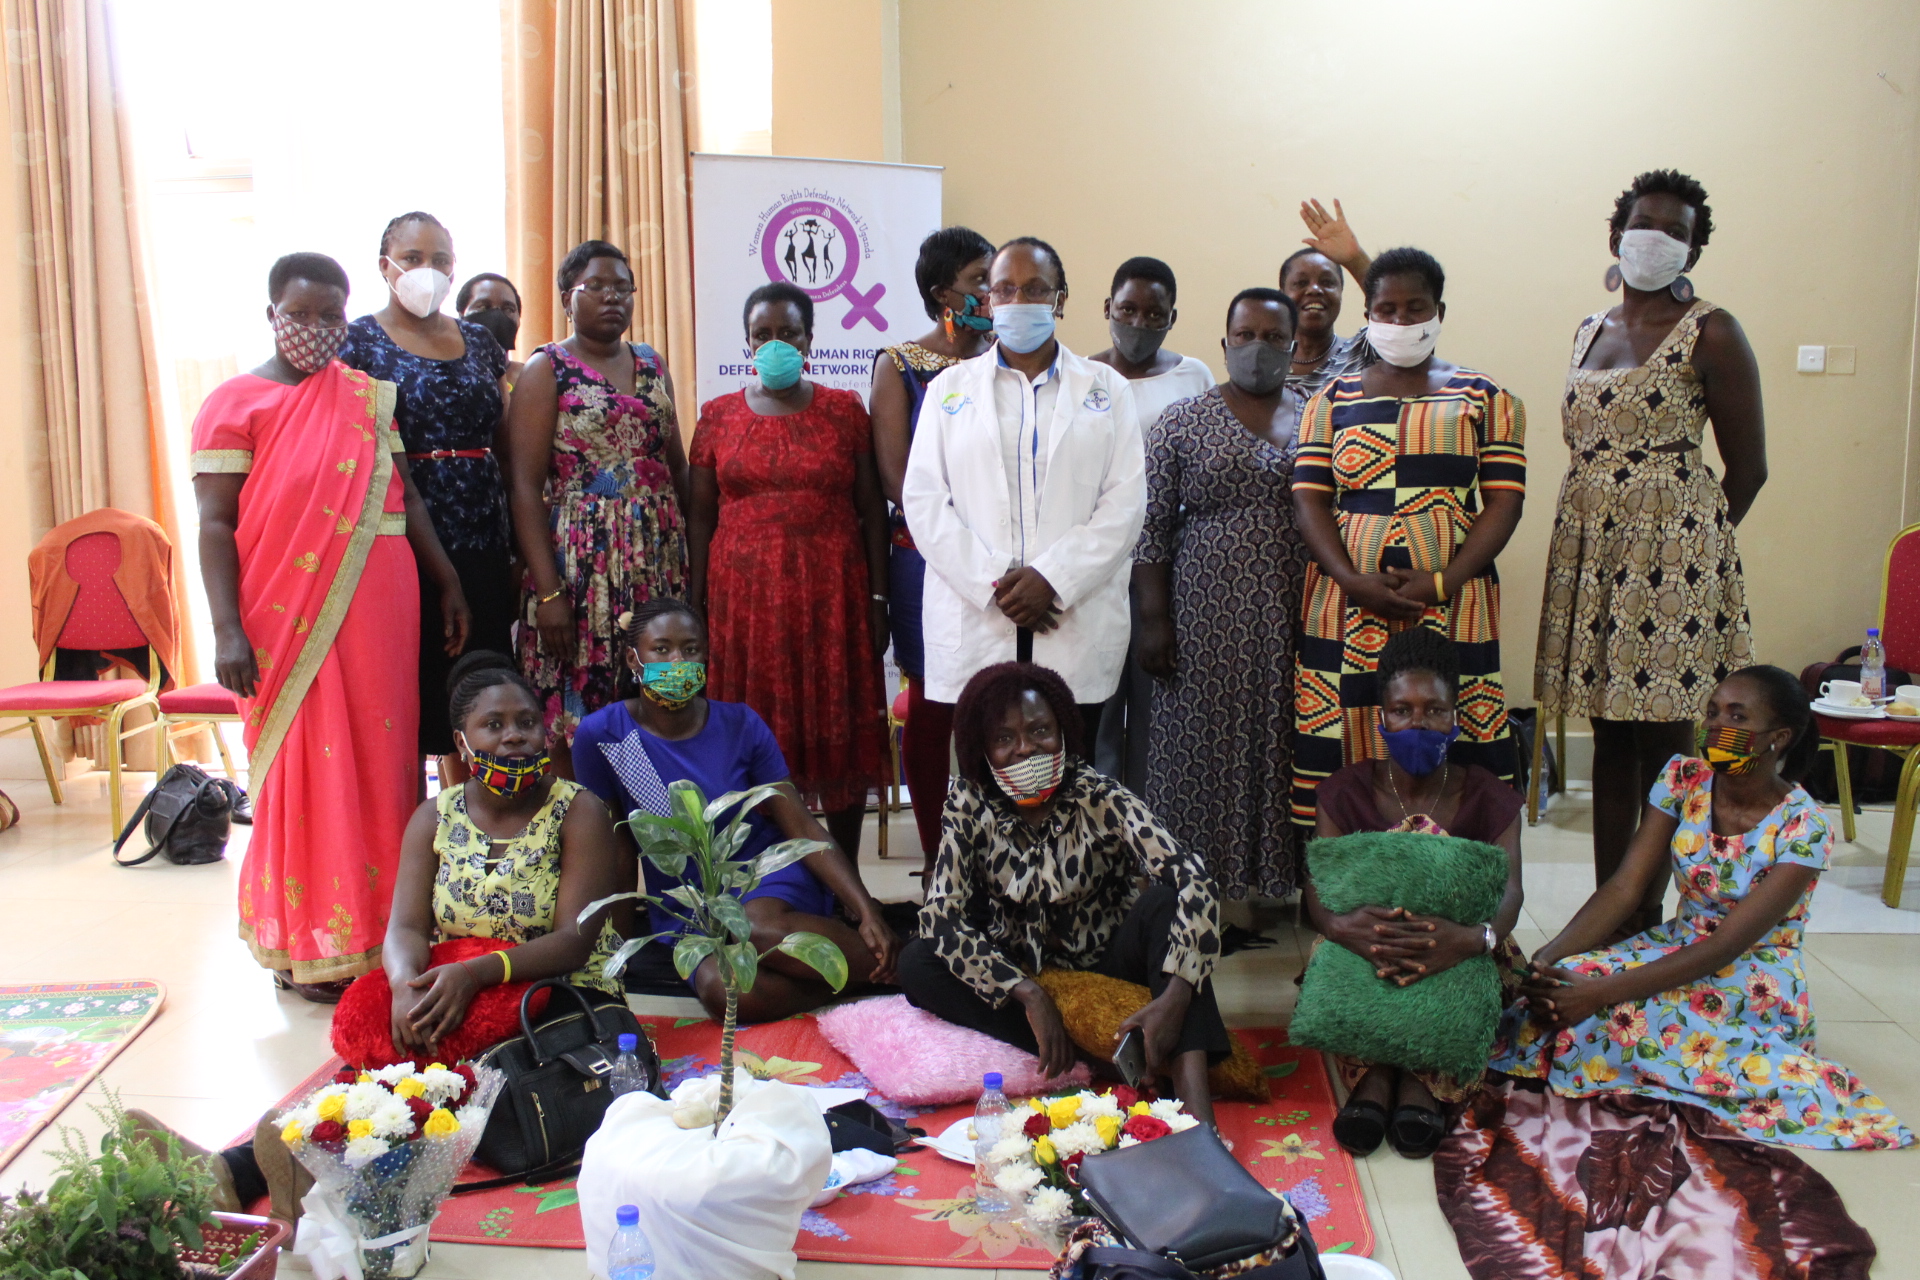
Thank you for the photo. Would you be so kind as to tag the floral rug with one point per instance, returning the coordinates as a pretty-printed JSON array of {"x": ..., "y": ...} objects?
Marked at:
[{"x": 55, "y": 1037}]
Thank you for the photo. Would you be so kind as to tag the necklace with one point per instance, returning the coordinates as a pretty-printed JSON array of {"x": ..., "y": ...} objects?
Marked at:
[{"x": 1438, "y": 796}]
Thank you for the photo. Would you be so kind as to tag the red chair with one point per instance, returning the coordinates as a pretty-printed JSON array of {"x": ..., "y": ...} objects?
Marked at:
[
  {"x": 1900, "y": 633},
  {"x": 99, "y": 620},
  {"x": 186, "y": 711}
]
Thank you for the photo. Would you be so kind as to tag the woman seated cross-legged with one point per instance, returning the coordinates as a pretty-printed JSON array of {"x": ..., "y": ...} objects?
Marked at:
[
  {"x": 1039, "y": 867},
  {"x": 1415, "y": 788},
  {"x": 1711, "y": 1008},
  {"x": 628, "y": 752}
]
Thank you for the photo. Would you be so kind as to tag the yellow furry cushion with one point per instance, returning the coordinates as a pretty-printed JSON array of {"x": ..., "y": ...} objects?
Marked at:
[{"x": 1093, "y": 1006}]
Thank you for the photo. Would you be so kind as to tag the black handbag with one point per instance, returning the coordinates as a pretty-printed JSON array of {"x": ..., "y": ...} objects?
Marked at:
[
  {"x": 1185, "y": 1199},
  {"x": 556, "y": 1091},
  {"x": 188, "y": 817},
  {"x": 1137, "y": 1264}
]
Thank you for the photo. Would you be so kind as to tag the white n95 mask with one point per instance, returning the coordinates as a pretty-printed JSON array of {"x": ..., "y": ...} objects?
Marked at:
[{"x": 421, "y": 290}]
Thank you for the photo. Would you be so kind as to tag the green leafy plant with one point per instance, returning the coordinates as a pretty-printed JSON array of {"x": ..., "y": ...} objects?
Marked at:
[
  {"x": 120, "y": 1214},
  {"x": 695, "y": 847}
]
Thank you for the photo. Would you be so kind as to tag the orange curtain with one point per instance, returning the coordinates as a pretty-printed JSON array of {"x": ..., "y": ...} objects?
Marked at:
[{"x": 598, "y": 121}]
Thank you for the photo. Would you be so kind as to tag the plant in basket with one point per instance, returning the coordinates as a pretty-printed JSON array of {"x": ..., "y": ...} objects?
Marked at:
[
  {"x": 384, "y": 1148},
  {"x": 1038, "y": 1163}
]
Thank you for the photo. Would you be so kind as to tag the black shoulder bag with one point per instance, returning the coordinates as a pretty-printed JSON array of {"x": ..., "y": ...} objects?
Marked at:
[
  {"x": 556, "y": 1091},
  {"x": 188, "y": 816}
]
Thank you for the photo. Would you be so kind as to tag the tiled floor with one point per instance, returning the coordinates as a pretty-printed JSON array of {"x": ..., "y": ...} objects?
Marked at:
[{"x": 227, "y": 1045}]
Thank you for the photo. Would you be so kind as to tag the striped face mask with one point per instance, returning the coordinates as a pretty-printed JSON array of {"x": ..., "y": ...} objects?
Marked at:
[
  {"x": 508, "y": 775},
  {"x": 1029, "y": 783},
  {"x": 1728, "y": 750}
]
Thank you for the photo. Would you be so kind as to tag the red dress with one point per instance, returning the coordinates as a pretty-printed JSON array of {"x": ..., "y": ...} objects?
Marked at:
[{"x": 787, "y": 587}]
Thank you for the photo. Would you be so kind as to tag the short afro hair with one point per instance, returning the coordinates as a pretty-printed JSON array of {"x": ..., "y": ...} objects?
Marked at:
[
  {"x": 465, "y": 295},
  {"x": 1286, "y": 264},
  {"x": 578, "y": 258},
  {"x": 1151, "y": 270},
  {"x": 984, "y": 702},
  {"x": 1418, "y": 648},
  {"x": 317, "y": 267},
  {"x": 1260, "y": 293},
  {"x": 779, "y": 291},
  {"x": 1666, "y": 182},
  {"x": 1406, "y": 261},
  {"x": 386, "y": 236},
  {"x": 1059, "y": 267},
  {"x": 943, "y": 255}
]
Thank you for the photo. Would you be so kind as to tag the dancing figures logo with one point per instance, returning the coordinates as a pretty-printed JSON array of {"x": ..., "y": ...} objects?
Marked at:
[{"x": 816, "y": 240}]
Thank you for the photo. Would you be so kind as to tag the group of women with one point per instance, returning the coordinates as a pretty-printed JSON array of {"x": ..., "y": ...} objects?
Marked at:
[{"x": 1317, "y": 613}]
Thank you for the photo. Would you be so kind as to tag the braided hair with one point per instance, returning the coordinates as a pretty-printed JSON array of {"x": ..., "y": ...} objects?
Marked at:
[
  {"x": 1419, "y": 648},
  {"x": 476, "y": 672},
  {"x": 1786, "y": 700},
  {"x": 386, "y": 237}
]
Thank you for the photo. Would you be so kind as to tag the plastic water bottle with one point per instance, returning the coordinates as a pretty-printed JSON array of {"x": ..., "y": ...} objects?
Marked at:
[
  {"x": 1873, "y": 666},
  {"x": 989, "y": 1126},
  {"x": 629, "y": 1257},
  {"x": 627, "y": 1076}
]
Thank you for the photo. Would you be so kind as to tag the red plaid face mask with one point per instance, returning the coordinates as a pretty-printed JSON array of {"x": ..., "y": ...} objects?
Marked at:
[{"x": 308, "y": 347}]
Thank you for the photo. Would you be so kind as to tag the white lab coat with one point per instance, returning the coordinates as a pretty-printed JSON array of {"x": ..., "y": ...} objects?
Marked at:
[{"x": 1091, "y": 509}]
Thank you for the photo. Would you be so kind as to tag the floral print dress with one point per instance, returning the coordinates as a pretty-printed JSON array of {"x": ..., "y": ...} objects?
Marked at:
[
  {"x": 1740, "y": 1042},
  {"x": 618, "y": 536}
]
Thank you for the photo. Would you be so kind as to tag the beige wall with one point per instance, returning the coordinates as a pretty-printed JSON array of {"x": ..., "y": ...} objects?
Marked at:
[
  {"x": 836, "y": 79},
  {"x": 1495, "y": 135}
]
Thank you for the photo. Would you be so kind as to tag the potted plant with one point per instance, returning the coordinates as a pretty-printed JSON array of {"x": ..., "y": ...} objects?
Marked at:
[
  {"x": 691, "y": 846},
  {"x": 134, "y": 1211}
]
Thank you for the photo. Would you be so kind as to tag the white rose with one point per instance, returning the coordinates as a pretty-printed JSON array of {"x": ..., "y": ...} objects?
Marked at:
[
  {"x": 1017, "y": 1179},
  {"x": 1049, "y": 1204},
  {"x": 363, "y": 1151}
]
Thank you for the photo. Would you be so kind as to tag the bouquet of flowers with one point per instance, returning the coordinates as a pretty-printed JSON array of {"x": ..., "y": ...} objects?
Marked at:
[
  {"x": 1037, "y": 1163},
  {"x": 384, "y": 1148}
]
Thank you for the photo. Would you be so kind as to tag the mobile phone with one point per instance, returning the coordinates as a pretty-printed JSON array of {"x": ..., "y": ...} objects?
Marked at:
[{"x": 1131, "y": 1058}]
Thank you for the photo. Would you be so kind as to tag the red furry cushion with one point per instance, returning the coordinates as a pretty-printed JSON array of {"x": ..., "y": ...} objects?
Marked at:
[{"x": 363, "y": 1020}]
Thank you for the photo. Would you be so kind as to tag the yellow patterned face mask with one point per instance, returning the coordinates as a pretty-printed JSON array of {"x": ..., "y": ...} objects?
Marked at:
[{"x": 1728, "y": 750}]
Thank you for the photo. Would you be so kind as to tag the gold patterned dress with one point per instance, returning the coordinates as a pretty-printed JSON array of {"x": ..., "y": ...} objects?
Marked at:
[{"x": 1645, "y": 608}]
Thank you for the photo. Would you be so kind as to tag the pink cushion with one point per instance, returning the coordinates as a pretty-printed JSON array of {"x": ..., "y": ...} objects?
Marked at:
[
  {"x": 913, "y": 1057},
  {"x": 200, "y": 700},
  {"x": 69, "y": 695},
  {"x": 900, "y": 704}
]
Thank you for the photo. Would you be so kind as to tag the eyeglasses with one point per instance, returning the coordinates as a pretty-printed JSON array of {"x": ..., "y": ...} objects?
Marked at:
[
  {"x": 1036, "y": 292},
  {"x": 609, "y": 292}
]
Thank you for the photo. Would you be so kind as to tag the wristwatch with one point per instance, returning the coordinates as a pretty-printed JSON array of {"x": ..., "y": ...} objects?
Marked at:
[{"x": 1493, "y": 939}]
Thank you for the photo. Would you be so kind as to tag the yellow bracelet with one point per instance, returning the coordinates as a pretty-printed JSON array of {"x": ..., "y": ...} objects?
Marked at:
[
  {"x": 555, "y": 594},
  {"x": 1440, "y": 586},
  {"x": 506, "y": 967}
]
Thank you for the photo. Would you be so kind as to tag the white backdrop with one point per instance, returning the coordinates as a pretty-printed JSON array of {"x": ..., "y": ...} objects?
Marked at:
[{"x": 845, "y": 231}]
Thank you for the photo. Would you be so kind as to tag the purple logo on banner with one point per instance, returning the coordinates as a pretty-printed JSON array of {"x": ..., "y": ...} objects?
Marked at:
[{"x": 811, "y": 244}]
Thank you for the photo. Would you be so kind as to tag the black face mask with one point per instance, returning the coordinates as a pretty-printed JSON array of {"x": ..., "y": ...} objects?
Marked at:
[
  {"x": 1258, "y": 368},
  {"x": 504, "y": 328},
  {"x": 1136, "y": 343}
]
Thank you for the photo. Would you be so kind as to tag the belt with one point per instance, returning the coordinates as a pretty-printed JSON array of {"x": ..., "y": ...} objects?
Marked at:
[{"x": 450, "y": 453}]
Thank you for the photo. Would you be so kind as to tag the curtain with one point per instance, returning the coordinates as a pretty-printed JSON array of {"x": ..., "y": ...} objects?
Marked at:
[
  {"x": 94, "y": 347},
  {"x": 598, "y": 118}
]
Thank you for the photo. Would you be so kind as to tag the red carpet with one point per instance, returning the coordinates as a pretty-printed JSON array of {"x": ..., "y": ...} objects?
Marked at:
[
  {"x": 922, "y": 1216},
  {"x": 55, "y": 1037}
]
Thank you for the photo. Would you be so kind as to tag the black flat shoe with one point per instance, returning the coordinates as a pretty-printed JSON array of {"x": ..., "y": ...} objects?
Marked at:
[
  {"x": 1360, "y": 1127},
  {"x": 1416, "y": 1132}
]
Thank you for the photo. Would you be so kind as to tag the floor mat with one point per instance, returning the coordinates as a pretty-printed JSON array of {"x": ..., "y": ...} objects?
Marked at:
[{"x": 55, "y": 1037}]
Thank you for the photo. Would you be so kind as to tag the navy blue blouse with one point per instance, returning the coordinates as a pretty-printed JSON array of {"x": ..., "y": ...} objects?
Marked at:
[{"x": 446, "y": 404}]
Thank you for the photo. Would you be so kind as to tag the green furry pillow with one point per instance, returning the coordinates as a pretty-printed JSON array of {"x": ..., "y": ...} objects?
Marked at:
[{"x": 1442, "y": 1023}]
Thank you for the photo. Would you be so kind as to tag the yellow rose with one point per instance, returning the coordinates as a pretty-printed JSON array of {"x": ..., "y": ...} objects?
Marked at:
[
  {"x": 366, "y": 1077},
  {"x": 411, "y": 1087},
  {"x": 291, "y": 1135},
  {"x": 1043, "y": 1152},
  {"x": 1038, "y": 1104},
  {"x": 333, "y": 1107},
  {"x": 436, "y": 1066},
  {"x": 1063, "y": 1111},
  {"x": 359, "y": 1129},
  {"x": 1758, "y": 1070},
  {"x": 1108, "y": 1127},
  {"x": 1139, "y": 1109},
  {"x": 1600, "y": 1071},
  {"x": 440, "y": 1124}
]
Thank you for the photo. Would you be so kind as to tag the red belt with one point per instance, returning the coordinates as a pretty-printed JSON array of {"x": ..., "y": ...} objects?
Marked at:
[{"x": 451, "y": 453}]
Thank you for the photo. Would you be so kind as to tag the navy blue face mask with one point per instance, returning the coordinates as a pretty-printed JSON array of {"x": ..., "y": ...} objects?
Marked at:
[{"x": 1419, "y": 752}]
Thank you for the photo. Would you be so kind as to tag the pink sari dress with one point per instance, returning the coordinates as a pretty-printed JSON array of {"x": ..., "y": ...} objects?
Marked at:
[{"x": 330, "y": 599}]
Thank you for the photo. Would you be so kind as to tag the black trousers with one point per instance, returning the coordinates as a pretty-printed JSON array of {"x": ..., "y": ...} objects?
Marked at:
[{"x": 1136, "y": 953}]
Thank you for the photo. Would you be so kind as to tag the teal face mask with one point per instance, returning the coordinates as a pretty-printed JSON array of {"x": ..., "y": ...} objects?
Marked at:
[
  {"x": 778, "y": 364},
  {"x": 971, "y": 317},
  {"x": 672, "y": 684}
]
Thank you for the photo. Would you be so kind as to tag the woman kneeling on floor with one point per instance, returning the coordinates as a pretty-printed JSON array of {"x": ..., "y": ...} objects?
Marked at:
[
  {"x": 1038, "y": 868},
  {"x": 1415, "y": 788}
]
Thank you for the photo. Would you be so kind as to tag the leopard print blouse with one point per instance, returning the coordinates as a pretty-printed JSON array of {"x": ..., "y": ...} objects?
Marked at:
[{"x": 1008, "y": 899}]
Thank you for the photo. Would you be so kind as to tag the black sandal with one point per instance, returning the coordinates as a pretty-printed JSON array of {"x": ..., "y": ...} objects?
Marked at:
[
  {"x": 1416, "y": 1132},
  {"x": 1360, "y": 1127}
]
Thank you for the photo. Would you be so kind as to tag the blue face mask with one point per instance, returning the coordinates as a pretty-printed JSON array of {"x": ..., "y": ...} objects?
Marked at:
[
  {"x": 1419, "y": 752},
  {"x": 971, "y": 317},
  {"x": 1023, "y": 326},
  {"x": 778, "y": 364}
]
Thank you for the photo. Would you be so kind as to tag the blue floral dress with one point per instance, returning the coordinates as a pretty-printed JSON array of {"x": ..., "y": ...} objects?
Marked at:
[{"x": 1740, "y": 1042}]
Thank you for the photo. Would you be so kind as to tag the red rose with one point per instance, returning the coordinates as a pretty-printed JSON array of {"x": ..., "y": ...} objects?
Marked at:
[
  {"x": 329, "y": 1131},
  {"x": 421, "y": 1109},
  {"x": 1146, "y": 1128},
  {"x": 1072, "y": 1163},
  {"x": 465, "y": 1072},
  {"x": 346, "y": 1075},
  {"x": 1126, "y": 1096},
  {"x": 1037, "y": 1125}
]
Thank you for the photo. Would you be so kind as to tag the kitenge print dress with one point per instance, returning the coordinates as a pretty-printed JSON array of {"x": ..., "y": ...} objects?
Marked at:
[
  {"x": 1406, "y": 477},
  {"x": 618, "y": 536},
  {"x": 1740, "y": 1042}
]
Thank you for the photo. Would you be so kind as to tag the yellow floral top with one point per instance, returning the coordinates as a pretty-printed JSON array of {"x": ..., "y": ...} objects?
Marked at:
[{"x": 509, "y": 890}]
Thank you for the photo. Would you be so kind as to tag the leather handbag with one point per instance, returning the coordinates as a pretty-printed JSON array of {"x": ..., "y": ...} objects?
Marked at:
[
  {"x": 557, "y": 1082},
  {"x": 1137, "y": 1264},
  {"x": 1186, "y": 1199},
  {"x": 188, "y": 816}
]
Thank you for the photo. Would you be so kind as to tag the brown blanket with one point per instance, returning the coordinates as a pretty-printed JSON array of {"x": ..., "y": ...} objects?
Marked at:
[{"x": 1551, "y": 1188}]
